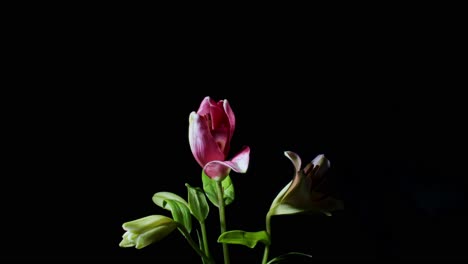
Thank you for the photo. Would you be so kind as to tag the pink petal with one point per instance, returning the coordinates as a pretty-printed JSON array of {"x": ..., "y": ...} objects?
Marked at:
[
  {"x": 295, "y": 159},
  {"x": 221, "y": 137},
  {"x": 220, "y": 128},
  {"x": 205, "y": 106},
  {"x": 217, "y": 116},
  {"x": 231, "y": 117},
  {"x": 202, "y": 143},
  {"x": 219, "y": 169},
  {"x": 218, "y": 122}
]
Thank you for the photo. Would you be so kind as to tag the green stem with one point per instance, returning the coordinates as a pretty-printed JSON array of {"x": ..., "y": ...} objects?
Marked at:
[
  {"x": 192, "y": 243},
  {"x": 265, "y": 254},
  {"x": 222, "y": 219},
  {"x": 204, "y": 238},
  {"x": 268, "y": 223},
  {"x": 267, "y": 247}
]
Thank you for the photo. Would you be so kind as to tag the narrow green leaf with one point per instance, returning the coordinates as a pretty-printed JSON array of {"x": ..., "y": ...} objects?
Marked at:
[
  {"x": 289, "y": 256},
  {"x": 249, "y": 239},
  {"x": 180, "y": 213},
  {"x": 197, "y": 203},
  {"x": 209, "y": 186},
  {"x": 177, "y": 205},
  {"x": 160, "y": 197}
]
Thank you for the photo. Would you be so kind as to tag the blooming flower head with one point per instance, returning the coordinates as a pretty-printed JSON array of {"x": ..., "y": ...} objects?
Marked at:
[
  {"x": 301, "y": 194},
  {"x": 210, "y": 132}
]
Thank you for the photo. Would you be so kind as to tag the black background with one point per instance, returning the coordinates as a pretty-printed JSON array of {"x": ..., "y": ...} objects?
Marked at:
[{"x": 107, "y": 126}]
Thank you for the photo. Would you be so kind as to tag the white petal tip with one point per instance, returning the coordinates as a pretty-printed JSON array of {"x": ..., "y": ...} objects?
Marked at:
[
  {"x": 321, "y": 160},
  {"x": 192, "y": 116},
  {"x": 295, "y": 159}
]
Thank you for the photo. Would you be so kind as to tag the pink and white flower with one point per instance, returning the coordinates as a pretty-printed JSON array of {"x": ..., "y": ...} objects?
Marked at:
[{"x": 210, "y": 132}]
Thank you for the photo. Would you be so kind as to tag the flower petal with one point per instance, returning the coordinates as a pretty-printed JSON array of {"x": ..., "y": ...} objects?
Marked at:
[
  {"x": 205, "y": 106},
  {"x": 231, "y": 117},
  {"x": 280, "y": 195},
  {"x": 241, "y": 160},
  {"x": 220, "y": 127},
  {"x": 218, "y": 117},
  {"x": 321, "y": 165},
  {"x": 218, "y": 169},
  {"x": 282, "y": 209},
  {"x": 154, "y": 235},
  {"x": 295, "y": 159},
  {"x": 144, "y": 224},
  {"x": 298, "y": 193},
  {"x": 128, "y": 240},
  {"x": 202, "y": 143},
  {"x": 322, "y": 162}
]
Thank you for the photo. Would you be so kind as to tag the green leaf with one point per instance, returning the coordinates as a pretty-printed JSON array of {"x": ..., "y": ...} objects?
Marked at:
[
  {"x": 289, "y": 256},
  {"x": 181, "y": 213},
  {"x": 249, "y": 239},
  {"x": 209, "y": 186},
  {"x": 160, "y": 197},
  {"x": 177, "y": 205},
  {"x": 197, "y": 203}
]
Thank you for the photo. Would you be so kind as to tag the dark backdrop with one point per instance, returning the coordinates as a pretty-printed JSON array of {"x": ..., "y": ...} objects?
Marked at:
[{"x": 108, "y": 125}]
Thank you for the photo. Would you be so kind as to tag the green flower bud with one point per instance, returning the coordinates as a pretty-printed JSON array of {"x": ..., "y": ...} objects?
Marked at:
[{"x": 147, "y": 230}]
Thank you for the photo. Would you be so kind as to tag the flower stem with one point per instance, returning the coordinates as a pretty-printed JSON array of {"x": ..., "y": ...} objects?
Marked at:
[
  {"x": 222, "y": 219},
  {"x": 267, "y": 247},
  {"x": 265, "y": 254},
  {"x": 192, "y": 243},
  {"x": 204, "y": 238}
]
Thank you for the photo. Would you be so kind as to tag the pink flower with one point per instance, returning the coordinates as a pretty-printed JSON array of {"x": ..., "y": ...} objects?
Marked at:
[{"x": 210, "y": 133}]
